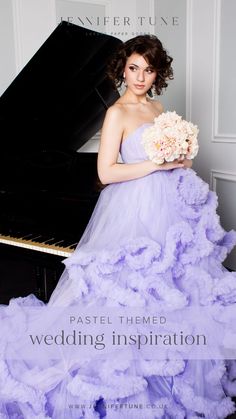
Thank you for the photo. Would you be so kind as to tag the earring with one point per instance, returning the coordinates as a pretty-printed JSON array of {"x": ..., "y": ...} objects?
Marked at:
[
  {"x": 150, "y": 91},
  {"x": 124, "y": 80}
]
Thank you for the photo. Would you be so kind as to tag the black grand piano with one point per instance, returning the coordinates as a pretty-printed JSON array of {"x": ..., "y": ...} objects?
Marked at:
[{"x": 47, "y": 189}]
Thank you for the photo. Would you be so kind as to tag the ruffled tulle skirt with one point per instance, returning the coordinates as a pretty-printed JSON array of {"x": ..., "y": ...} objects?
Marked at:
[{"x": 151, "y": 242}]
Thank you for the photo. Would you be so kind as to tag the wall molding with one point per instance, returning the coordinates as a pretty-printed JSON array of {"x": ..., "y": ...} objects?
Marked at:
[
  {"x": 189, "y": 59},
  {"x": 102, "y": 2},
  {"x": 152, "y": 11},
  {"x": 216, "y": 135},
  {"x": 105, "y": 3},
  {"x": 17, "y": 24},
  {"x": 222, "y": 175},
  {"x": 20, "y": 27}
]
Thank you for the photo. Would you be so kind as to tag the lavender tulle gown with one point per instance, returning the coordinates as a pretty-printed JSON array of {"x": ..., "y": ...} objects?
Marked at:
[{"x": 156, "y": 239}]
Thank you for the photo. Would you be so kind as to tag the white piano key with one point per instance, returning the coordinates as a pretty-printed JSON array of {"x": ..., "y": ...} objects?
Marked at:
[{"x": 53, "y": 249}]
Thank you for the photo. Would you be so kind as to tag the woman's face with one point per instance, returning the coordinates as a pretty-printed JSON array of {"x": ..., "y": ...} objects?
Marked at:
[{"x": 139, "y": 74}]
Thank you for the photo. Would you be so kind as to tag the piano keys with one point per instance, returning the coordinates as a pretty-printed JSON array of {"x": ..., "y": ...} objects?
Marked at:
[
  {"x": 39, "y": 243},
  {"x": 48, "y": 189}
]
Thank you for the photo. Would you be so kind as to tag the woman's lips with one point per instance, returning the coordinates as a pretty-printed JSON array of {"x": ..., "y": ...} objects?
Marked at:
[{"x": 139, "y": 86}]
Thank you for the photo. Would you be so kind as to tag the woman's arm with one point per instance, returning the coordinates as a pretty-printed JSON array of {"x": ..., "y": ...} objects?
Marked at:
[{"x": 109, "y": 171}]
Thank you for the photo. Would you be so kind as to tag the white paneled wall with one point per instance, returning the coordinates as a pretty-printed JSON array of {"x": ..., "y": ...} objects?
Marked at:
[
  {"x": 34, "y": 20},
  {"x": 7, "y": 46},
  {"x": 211, "y": 103},
  {"x": 24, "y": 25},
  {"x": 86, "y": 14},
  {"x": 171, "y": 28},
  {"x": 226, "y": 103}
]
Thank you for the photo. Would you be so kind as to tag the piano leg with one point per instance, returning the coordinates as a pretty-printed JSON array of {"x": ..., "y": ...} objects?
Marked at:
[
  {"x": 23, "y": 272},
  {"x": 47, "y": 278}
]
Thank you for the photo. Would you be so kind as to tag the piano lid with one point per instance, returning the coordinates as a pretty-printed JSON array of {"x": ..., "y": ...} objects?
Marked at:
[{"x": 60, "y": 97}]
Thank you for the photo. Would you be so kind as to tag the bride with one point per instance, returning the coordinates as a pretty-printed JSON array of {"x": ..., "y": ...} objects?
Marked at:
[{"x": 153, "y": 241}]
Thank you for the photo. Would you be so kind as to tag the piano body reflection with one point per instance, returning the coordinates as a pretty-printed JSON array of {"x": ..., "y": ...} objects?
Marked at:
[{"x": 48, "y": 190}]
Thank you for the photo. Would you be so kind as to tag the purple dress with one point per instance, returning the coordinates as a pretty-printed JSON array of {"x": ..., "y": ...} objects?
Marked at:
[{"x": 152, "y": 240}]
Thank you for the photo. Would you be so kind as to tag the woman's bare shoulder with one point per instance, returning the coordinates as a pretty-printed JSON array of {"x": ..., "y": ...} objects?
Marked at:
[
  {"x": 114, "y": 119},
  {"x": 115, "y": 112}
]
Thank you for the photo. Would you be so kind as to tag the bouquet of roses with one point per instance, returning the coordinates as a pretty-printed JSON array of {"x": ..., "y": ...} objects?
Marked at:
[{"x": 170, "y": 137}]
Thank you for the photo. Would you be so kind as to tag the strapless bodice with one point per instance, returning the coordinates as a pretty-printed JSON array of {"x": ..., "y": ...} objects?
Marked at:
[{"x": 131, "y": 149}]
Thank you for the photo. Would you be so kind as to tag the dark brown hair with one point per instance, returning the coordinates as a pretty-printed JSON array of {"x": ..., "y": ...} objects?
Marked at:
[{"x": 151, "y": 48}]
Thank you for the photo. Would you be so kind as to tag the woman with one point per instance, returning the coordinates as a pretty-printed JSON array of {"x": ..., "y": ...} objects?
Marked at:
[
  {"x": 144, "y": 64},
  {"x": 153, "y": 240}
]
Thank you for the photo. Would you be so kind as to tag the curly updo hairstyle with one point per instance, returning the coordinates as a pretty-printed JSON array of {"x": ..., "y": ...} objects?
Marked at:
[{"x": 150, "y": 47}]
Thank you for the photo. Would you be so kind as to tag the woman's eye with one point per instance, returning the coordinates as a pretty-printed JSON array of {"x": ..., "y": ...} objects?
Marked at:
[{"x": 148, "y": 70}]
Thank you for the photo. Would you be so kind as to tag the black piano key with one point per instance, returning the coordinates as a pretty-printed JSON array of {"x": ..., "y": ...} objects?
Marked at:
[
  {"x": 53, "y": 240},
  {"x": 7, "y": 232},
  {"x": 49, "y": 241},
  {"x": 27, "y": 236},
  {"x": 34, "y": 237},
  {"x": 67, "y": 243},
  {"x": 44, "y": 239},
  {"x": 58, "y": 242},
  {"x": 17, "y": 234},
  {"x": 73, "y": 246},
  {"x": 30, "y": 237}
]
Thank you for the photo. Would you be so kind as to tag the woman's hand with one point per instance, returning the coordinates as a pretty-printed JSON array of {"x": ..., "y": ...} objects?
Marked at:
[
  {"x": 186, "y": 162},
  {"x": 175, "y": 164},
  {"x": 181, "y": 162}
]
